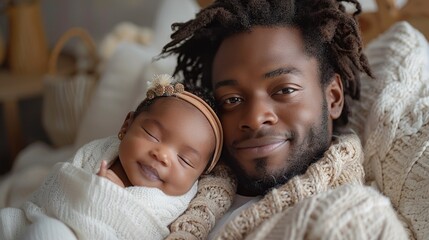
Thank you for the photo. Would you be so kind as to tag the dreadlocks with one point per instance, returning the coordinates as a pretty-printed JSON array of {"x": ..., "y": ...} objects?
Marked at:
[{"x": 330, "y": 34}]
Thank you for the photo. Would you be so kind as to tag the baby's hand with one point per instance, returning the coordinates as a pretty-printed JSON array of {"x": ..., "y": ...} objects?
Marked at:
[{"x": 109, "y": 174}]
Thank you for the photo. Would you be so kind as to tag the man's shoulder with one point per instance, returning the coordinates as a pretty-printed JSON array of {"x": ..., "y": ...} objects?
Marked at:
[{"x": 349, "y": 210}]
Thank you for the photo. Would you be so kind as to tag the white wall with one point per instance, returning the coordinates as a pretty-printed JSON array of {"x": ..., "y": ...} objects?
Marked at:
[
  {"x": 97, "y": 16},
  {"x": 100, "y": 16},
  {"x": 370, "y": 6}
]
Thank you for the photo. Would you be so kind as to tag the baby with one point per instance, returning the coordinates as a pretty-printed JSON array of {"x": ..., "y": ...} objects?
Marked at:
[{"x": 149, "y": 174}]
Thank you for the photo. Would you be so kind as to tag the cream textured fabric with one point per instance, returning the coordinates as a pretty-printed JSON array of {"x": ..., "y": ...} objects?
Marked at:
[
  {"x": 392, "y": 119},
  {"x": 92, "y": 206},
  {"x": 341, "y": 164},
  {"x": 214, "y": 197},
  {"x": 347, "y": 212}
]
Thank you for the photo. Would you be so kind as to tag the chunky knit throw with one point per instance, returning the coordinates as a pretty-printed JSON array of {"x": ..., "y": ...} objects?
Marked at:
[
  {"x": 341, "y": 164},
  {"x": 348, "y": 212},
  {"x": 392, "y": 119},
  {"x": 214, "y": 197}
]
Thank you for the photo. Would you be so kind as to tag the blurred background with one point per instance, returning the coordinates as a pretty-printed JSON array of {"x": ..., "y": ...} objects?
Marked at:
[{"x": 30, "y": 30}]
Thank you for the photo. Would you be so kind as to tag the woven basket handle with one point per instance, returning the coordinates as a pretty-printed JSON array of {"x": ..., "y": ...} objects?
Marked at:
[{"x": 72, "y": 32}]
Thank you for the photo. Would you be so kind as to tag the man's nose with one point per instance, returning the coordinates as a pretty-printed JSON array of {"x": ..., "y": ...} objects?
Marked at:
[{"x": 258, "y": 112}]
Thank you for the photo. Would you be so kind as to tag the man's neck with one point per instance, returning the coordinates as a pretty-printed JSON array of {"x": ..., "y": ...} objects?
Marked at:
[{"x": 244, "y": 191}]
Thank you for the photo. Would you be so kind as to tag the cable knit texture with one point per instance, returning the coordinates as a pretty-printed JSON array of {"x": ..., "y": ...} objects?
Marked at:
[
  {"x": 91, "y": 206},
  {"x": 341, "y": 164},
  {"x": 392, "y": 119},
  {"x": 214, "y": 197},
  {"x": 345, "y": 213}
]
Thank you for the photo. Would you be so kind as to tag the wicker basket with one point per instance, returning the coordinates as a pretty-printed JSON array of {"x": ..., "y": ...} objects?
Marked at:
[{"x": 67, "y": 95}]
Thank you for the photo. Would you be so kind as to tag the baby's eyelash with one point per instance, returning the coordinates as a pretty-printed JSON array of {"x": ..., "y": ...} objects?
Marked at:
[
  {"x": 186, "y": 161},
  {"x": 148, "y": 133}
]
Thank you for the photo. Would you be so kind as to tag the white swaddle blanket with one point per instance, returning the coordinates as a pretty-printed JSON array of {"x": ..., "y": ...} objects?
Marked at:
[{"x": 91, "y": 206}]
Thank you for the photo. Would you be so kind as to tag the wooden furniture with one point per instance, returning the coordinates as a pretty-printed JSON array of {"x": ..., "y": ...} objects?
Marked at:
[
  {"x": 14, "y": 88},
  {"x": 416, "y": 12},
  {"x": 204, "y": 3},
  {"x": 28, "y": 48}
]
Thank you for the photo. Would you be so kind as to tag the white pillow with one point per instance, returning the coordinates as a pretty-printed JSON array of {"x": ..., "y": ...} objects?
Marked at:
[
  {"x": 150, "y": 70},
  {"x": 171, "y": 11},
  {"x": 114, "y": 96}
]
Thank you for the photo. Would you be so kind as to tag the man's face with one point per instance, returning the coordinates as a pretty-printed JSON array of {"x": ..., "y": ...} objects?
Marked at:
[{"x": 274, "y": 112}]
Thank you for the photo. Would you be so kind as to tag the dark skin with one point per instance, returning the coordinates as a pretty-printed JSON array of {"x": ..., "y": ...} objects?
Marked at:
[
  {"x": 155, "y": 152},
  {"x": 276, "y": 116}
]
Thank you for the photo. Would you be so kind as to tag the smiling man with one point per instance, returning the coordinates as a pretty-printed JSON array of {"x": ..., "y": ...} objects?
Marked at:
[
  {"x": 274, "y": 111},
  {"x": 281, "y": 72}
]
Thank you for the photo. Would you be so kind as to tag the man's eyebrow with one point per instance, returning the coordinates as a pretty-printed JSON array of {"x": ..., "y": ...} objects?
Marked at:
[
  {"x": 271, "y": 74},
  {"x": 279, "y": 71},
  {"x": 228, "y": 82}
]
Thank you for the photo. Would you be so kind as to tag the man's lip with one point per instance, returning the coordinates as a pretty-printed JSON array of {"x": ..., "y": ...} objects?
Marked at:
[
  {"x": 258, "y": 142},
  {"x": 258, "y": 147},
  {"x": 149, "y": 172}
]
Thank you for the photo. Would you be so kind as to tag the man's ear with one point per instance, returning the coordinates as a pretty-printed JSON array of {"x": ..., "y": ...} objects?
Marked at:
[
  {"x": 127, "y": 122},
  {"x": 335, "y": 97}
]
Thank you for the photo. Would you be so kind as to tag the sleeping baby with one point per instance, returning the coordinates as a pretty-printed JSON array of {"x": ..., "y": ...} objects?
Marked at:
[{"x": 131, "y": 186}]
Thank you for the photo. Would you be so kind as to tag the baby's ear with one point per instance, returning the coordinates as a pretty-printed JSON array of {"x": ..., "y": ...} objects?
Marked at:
[
  {"x": 127, "y": 122},
  {"x": 335, "y": 97}
]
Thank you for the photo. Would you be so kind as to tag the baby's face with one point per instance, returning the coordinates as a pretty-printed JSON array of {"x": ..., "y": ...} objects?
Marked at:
[{"x": 167, "y": 147}]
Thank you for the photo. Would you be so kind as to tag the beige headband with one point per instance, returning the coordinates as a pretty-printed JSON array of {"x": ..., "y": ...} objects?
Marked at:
[
  {"x": 162, "y": 86},
  {"x": 213, "y": 120}
]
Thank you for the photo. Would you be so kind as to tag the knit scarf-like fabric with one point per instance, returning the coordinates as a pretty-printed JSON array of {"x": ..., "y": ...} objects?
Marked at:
[
  {"x": 215, "y": 194},
  {"x": 349, "y": 212},
  {"x": 341, "y": 164}
]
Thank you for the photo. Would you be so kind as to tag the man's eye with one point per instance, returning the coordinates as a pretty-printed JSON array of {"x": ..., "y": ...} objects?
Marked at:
[
  {"x": 286, "y": 91},
  {"x": 151, "y": 135},
  {"x": 231, "y": 100},
  {"x": 229, "y": 103}
]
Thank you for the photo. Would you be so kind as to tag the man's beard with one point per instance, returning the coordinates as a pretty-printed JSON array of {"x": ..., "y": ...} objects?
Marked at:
[{"x": 311, "y": 150}]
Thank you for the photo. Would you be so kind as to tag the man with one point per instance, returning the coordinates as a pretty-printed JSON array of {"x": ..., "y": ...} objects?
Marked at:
[{"x": 281, "y": 72}]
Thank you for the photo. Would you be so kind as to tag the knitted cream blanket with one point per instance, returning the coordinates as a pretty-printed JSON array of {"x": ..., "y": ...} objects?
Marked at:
[
  {"x": 392, "y": 119},
  {"x": 348, "y": 212},
  {"x": 214, "y": 197},
  {"x": 94, "y": 207},
  {"x": 341, "y": 164}
]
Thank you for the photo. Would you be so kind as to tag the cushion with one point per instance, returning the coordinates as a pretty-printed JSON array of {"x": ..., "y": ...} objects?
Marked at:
[
  {"x": 123, "y": 82},
  {"x": 152, "y": 69},
  {"x": 114, "y": 96},
  {"x": 121, "y": 88},
  {"x": 392, "y": 120}
]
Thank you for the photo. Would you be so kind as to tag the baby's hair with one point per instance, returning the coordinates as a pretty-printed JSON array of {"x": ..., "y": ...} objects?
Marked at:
[
  {"x": 330, "y": 34},
  {"x": 205, "y": 96}
]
